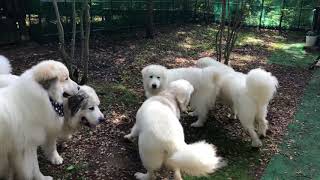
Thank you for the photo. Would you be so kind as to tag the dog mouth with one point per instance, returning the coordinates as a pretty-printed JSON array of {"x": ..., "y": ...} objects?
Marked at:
[
  {"x": 85, "y": 122},
  {"x": 66, "y": 95}
]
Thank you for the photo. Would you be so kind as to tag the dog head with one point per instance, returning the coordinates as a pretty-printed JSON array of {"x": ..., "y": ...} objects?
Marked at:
[
  {"x": 182, "y": 90},
  {"x": 54, "y": 77},
  {"x": 84, "y": 108},
  {"x": 154, "y": 78}
]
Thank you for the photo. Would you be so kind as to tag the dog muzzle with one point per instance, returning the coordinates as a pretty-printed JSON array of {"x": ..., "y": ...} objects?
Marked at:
[{"x": 58, "y": 107}]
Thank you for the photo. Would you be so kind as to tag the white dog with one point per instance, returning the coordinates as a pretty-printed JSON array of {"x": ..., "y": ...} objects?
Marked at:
[
  {"x": 30, "y": 110},
  {"x": 161, "y": 137},
  {"x": 248, "y": 95},
  {"x": 156, "y": 78},
  {"x": 82, "y": 108}
]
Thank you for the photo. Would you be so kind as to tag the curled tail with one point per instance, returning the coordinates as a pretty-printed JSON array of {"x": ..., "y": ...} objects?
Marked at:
[
  {"x": 197, "y": 159},
  {"x": 5, "y": 66},
  {"x": 261, "y": 85}
]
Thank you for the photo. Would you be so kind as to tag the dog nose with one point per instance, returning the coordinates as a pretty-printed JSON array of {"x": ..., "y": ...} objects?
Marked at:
[
  {"x": 101, "y": 119},
  {"x": 154, "y": 86},
  {"x": 78, "y": 87}
]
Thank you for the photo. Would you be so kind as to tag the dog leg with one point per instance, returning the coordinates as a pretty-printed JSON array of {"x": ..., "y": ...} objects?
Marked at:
[
  {"x": 247, "y": 121},
  {"x": 177, "y": 175},
  {"x": 202, "y": 118},
  {"x": 133, "y": 134},
  {"x": 142, "y": 176},
  {"x": 262, "y": 122},
  {"x": 26, "y": 166},
  {"x": 50, "y": 151}
]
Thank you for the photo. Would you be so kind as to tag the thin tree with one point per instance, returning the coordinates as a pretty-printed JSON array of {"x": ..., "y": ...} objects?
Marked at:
[
  {"x": 69, "y": 60},
  {"x": 229, "y": 28}
]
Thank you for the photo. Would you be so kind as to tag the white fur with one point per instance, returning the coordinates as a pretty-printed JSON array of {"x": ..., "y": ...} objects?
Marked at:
[
  {"x": 88, "y": 110},
  {"x": 208, "y": 61},
  {"x": 27, "y": 118},
  {"x": 248, "y": 95},
  {"x": 6, "y": 77},
  {"x": 203, "y": 81},
  {"x": 5, "y": 66},
  {"x": 161, "y": 137}
]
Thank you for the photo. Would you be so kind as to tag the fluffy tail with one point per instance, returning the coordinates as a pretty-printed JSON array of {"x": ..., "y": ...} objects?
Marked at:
[
  {"x": 197, "y": 159},
  {"x": 5, "y": 66},
  {"x": 261, "y": 85}
]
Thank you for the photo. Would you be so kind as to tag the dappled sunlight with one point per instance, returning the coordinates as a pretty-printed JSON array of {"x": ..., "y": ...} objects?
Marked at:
[
  {"x": 246, "y": 58},
  {"x": 252, "y": 41},
  {"x": 119, "y": 118}
]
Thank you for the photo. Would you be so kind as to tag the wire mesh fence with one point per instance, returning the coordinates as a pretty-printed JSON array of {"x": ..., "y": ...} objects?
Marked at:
[{"x": 113, "y": 15}]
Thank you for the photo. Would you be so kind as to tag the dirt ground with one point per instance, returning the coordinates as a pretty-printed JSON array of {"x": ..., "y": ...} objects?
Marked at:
[{"x": 115, "y": 67}]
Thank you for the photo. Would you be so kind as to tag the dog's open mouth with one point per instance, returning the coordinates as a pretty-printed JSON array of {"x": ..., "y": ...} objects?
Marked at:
[
  {"x": 85, "y": 122},
  {"x": 66, "y": 95}
]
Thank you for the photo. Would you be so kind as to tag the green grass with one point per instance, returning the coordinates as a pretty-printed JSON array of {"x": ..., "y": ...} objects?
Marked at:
[
  {"x": 291, "y": 54},
  {"x": 115, "y": 93},
  {"x": 299, "y": 156}
]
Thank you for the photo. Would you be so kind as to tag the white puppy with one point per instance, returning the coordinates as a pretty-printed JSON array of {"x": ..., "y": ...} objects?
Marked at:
[
  {"x": 30, "y": 110},
  {"x": 161, "y": 137},
  {"x": 248, "y": 95},
  {"x": 156, "y": 78}
]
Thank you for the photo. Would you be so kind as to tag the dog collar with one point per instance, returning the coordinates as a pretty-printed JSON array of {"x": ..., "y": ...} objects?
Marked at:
[{"x": 58, "y": 107}]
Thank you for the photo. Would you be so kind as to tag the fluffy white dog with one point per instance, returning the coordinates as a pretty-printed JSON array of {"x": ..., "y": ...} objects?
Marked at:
[
  {"x": 156, "y": 78},
  {"x": 248, "y": 95},
  {"x": 81, "y": 108},
  {"x": 30, "y": 110},
  {"x": 161, "y": 137}
]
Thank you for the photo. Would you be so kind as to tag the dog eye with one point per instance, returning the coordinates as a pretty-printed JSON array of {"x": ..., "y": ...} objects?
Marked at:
[
  {"x": 158, "y": 77},
  {"x": 91, "y": 108},
  {"x": 150, "y": 77}
]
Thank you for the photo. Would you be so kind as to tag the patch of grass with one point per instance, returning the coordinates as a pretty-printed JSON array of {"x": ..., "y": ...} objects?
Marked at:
[
  {"x": 291, "y": 54},
  {"x": 115, "y": 93}
]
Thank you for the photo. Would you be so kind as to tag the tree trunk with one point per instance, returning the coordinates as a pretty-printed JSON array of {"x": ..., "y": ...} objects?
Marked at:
[
  {"x": 220, "y": 34},
  {"x": 65, "y": 57},
  {"x": 86, "y": 43},
  {"x": 74, "y": 30},
  {"x": 149, "y": 20}
]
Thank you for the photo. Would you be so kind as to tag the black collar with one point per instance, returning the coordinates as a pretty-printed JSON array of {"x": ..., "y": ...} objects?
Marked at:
[{"x": 58, "y": 107}]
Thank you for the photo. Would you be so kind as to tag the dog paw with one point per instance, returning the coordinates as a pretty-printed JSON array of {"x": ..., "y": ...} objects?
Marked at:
[
  {"x": 256, "y": 143},
  {"x": 141, "y": 176},
  {"x": 192, "y": 114},
  {"x": 128, "y": 137},
  {"x": 56, "y": 159},
  {"x": 197, "y": 124}
]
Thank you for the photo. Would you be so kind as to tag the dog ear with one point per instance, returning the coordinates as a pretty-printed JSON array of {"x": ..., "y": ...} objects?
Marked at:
[
  {"x": 144, "y": 71},
  {"x": 183, "y": 98},
  {"x": 75, "y": 103},
  {"x": 48, "y": 82}
]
